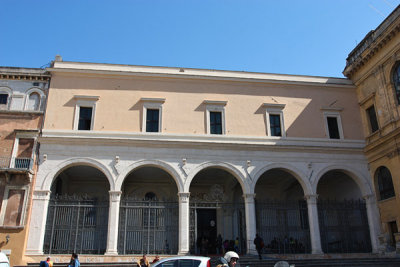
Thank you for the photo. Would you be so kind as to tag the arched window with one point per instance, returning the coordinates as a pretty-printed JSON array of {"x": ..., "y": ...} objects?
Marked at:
[
  {"x": 396, "y": 81},
  {"x": 385, "y": 183},
  {"x": 34, "y": 101},
  {"x": 4, "y": 98}
]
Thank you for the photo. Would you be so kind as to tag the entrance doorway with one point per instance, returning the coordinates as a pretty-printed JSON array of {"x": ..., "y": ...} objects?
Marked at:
[{"x": 206, "y": 230}]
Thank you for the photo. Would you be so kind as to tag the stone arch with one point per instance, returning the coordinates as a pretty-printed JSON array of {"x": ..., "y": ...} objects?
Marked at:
[
  {"x": 362, "y": 182},
  {"x": 34, "y": 90},
  {"x": 149, "y": 163},
  {"x": 221, "y": 165},
  {"x": 48, "y": 180},
  {"x": 297, "y": 174},
  {"x": 6, "y": 90}
]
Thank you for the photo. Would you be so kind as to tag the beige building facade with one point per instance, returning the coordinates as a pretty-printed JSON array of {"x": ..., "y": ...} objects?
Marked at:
[
  {"x": 137, "y": 159},
  {"x": 373, "y": 66},
  {"x": 22, "y": 101}
]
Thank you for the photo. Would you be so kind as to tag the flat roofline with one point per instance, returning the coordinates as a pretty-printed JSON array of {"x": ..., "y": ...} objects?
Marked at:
[{"x": 121, "y": 69}]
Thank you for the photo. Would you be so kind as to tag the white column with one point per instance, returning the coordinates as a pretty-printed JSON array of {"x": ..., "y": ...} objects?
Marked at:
[
  {"x": 37, "y": 225},
  {"x": 314, "y": 224},
  {"x": 251, "y": 229},
  {"x": 113, "y": 220},
  {"x": 183, "y": 223},
  {"x": 373, "y": 221}
]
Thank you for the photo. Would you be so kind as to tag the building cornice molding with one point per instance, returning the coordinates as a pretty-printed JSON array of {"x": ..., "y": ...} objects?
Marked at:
[
  {"x": 221, "y": 75},
  {"x": 372, "y": 43},
  {"x": 204, "y": 141}
]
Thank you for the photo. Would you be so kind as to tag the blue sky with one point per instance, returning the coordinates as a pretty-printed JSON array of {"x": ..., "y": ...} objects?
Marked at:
[{"x": 309, "y": 37}]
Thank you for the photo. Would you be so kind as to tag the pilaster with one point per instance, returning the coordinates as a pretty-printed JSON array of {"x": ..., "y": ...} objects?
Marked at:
[
  {"x": 251, "y": 228},
  {"x": 113, "y": 223},
  {"x": 314, "y": 224},
  {"x": 183, "y": 247},
  {"x": 37, "y": 225}
]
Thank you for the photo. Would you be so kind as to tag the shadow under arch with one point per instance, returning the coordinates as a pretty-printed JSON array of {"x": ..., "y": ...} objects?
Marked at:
[
  {"x": 220, "y": 165},
  {"x": 296, "y": 173},
  {"x": 149, "y": 163},
  {"x": 361, "y": 181},
  {"x": 46, "y": 185}
]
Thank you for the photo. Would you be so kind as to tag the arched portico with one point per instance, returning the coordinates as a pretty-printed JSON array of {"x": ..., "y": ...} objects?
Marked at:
[
  {"x": 49, "y": 178},
  {"x": 216, "y": 207},
  {"x": 77, "y": 215},
  {"x": 150, "y": 163},
  {"x": 345, "y": 207},
  {"x": 282, "y": 212},
  {"x": 299, "y": 175},
  {"x": 149, "y": 210}
]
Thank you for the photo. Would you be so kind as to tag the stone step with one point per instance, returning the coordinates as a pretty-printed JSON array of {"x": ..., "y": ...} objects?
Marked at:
[{"x": 253, "y": 261}]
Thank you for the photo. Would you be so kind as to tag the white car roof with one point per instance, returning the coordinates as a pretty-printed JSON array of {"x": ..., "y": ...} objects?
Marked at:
[{"x": 3, "y": 257}]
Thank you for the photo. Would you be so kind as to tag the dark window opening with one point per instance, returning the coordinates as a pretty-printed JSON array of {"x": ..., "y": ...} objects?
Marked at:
[
  {"x": 215, "y": 122},
  {"x": 85, "y": 118},
  {"x": 396, "y": 82},
  {"x": 152, "y": 120},
  {"x": 275, "y": 125},
  {"x": 373, "y": 121},
  {"x": 333, "y": 128},
  {"x": 150, "y": 196},
  {"x": 3, "y": 99},
  {"x": 385, "y": 183}
]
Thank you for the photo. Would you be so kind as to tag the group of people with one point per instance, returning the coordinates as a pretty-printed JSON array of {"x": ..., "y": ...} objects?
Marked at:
[
  {"x": 74, "y": 261},
  {"x": 221, "y": 247},
  {"x": 144, "y": 262}
]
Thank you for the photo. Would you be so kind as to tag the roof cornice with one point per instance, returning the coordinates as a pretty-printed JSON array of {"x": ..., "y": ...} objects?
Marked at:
[
  {"x": 372, "y": 43},
  {"x": 187, "y": 73}
]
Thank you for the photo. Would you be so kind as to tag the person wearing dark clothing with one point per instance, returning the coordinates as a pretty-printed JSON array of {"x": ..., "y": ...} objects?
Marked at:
[
  {"x": 258, "y": 241},
  {"x": 74, "y": 262}
]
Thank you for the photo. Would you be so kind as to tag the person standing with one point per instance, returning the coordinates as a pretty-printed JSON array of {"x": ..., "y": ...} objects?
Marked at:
[
  {"x": 144, "y": 262},
  {"x": 74, "y": 262},
  {"x": 49, "y": 262},
  {"x": 259, "y": 242}
]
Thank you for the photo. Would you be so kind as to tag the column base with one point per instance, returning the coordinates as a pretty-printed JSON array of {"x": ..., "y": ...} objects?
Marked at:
[
  {"x": 183, "y": 253},
  {"x": 317, "y": 252},
  {"x": 111, "y": 253},
  {"x": 31, "y": 252}
]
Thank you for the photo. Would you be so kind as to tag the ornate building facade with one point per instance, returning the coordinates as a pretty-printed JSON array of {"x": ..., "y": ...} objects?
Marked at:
[
  {"x": 156, "y": 160},
  {"x": 374, "y": 67},
  {"x": 22, "y": 101}
]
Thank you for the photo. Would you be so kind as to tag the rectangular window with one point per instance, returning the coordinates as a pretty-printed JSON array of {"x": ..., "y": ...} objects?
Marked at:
[
  {"x": 215, "y": 122},
  {"x": 275, "y": 125},
  {"x": 85, "y": 118},
  {"x": 373, "y": 122},
  {"x": 3, "y": 99},
  {"x": 333, "y": 127},
  {"x": 152, "y": 120}
]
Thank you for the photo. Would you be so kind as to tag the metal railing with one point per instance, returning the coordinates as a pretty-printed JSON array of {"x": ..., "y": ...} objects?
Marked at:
[{"x": 16, "y": 163}]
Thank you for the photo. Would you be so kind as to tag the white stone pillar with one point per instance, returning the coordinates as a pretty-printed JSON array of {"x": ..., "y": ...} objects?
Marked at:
[
  {"x": 251, "y": 230},
  {"x": 113, "y": 221},
  {"x": 373, "y": 221},
  {"x": 37, "y": 225},
  {"x": 183, "y": 248},
  {"x": 314, "y": 224}
]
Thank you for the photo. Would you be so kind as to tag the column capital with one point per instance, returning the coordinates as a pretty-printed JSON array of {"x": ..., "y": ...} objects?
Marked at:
[
  {"x": 41, "y": 195},
  {"x": 184, "y": 196},
  {"x": 115, "y": 196},
  {"x": 311, "y": 198},
  {"x": 249, "y": 196},
  {"x": 369, "y": 197}
]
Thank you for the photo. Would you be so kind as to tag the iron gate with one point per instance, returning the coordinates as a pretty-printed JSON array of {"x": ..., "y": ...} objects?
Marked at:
[
  {"x": 235, "y": 212},
  {"x": 148, "y": 227},
  {"x": 283, "y": 225},
  {"x": 344, "y": 226},
  {"x": 76, "y": 224}
]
